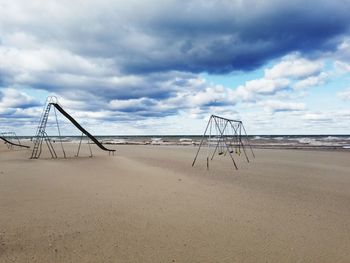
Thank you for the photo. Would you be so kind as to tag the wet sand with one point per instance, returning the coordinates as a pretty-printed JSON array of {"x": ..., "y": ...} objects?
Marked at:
[{"x": 147, "y": 204}]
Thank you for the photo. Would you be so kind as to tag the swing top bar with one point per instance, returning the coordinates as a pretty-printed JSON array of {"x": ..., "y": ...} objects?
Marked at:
[{"x": 218, "y": 117}]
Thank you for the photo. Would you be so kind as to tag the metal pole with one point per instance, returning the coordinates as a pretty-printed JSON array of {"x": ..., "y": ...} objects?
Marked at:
[
  {"x": 89, "y": 147},
  {"x": 200, "y": 145},
  {"x": 81, "y": 138},
  {"x": 228, "y": 149},
  {"x": 217, "y": 145},
  {"x": 209, "y": 143},
  {"x": 41, "y": 145},
  {"x": 241, "y": 143},
  {"x": 59, "y": 133},
  {"x": 49, "y": 145},
  {"x": 248, "y": 140}
]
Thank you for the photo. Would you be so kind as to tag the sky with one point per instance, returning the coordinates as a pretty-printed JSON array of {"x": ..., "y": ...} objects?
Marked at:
[{"x": 163, "y": 67}]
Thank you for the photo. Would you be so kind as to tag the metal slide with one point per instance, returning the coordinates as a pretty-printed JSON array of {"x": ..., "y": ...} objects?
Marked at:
[
  {"x": 76, "y": 124},
  {"x": 15, "y": 144}
]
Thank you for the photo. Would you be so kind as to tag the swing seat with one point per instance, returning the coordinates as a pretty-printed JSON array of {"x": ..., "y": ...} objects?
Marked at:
[
  {"x": 221, "y": 153},
  {"x": 231, "y": 151}
]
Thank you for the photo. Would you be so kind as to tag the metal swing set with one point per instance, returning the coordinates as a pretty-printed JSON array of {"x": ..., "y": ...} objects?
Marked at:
[{"x": 225, "y": 137}]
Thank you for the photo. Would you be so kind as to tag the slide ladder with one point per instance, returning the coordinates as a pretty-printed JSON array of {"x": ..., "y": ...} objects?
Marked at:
[{"x": 41, "y": 134}]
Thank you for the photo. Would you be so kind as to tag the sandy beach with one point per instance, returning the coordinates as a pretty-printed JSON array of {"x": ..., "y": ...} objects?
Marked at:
[{"x": 147, "y": 204}]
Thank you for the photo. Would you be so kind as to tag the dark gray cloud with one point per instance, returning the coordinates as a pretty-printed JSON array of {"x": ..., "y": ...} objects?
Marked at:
[
  {"x": 225, "y": 36},
  {"x": 190, "y": 36}
]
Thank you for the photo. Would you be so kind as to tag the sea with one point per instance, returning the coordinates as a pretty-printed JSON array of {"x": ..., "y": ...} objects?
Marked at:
[{"x": 257, "y": 141}]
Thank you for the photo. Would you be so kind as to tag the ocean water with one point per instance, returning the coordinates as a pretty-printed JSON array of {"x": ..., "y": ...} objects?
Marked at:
[
  {"x": 303, "y": 141},
  {"x": 261, "y": 141}
]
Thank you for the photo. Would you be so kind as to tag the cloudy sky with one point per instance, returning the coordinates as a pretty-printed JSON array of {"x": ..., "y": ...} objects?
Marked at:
[{"x": 162, "y": 67}]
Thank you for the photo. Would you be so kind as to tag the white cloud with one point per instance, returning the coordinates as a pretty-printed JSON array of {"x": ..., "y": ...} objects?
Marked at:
[
  {"x": 211, "y": 95},
  {"x": 342, "y": 66},
  {"x": 251, "y": 89},
  {"x": 11, "y": 98},
  {"x": 311, "y": 81},
  {"x": 282, "y": 106},
  {"x": 16, "y": 61},
  {"x": 328, "y": 120},
  {"x": 318, "y": 117},
  {"x": 124, "y": 104},
  {"x": 281, "y": 80},
  {"x": 342, "y": 54},
  {"x": 294, "y": 66},
  {"x": 292, "y": 71},
  {"x": 345, "y": 94}
]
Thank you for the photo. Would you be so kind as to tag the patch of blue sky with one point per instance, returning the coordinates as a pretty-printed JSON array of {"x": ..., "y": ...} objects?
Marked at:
[
  {"x": 325, "y": 97},
  {"x": 234, "y": 79},
  {"x": 39, "y": 94}
]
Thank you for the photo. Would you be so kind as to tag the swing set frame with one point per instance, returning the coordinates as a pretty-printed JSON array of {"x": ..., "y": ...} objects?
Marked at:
[{"x": 227, "y": 135}]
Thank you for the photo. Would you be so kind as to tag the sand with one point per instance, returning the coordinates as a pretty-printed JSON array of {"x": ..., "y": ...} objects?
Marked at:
[{"x": 147, "y": 204}]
